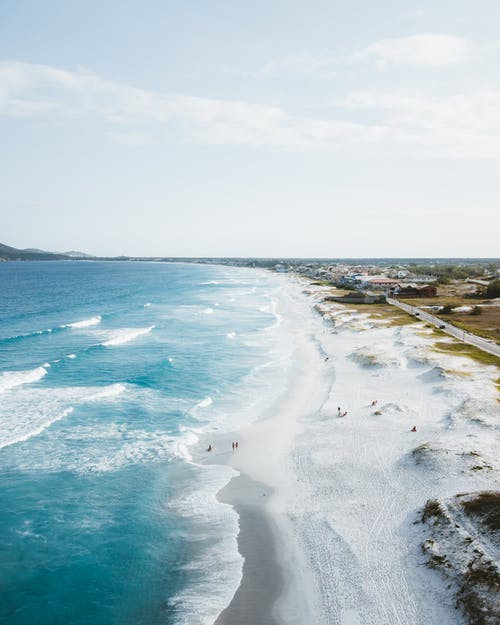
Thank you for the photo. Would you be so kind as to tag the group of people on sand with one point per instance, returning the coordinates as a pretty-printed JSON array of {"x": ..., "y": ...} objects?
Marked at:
[
  {"x": 234, "y": 444},
  {"x": 341, "y": 413}
]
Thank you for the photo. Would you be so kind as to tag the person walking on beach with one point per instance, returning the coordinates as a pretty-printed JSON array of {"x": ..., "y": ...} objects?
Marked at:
[
  {"x": 209, "y": 448},
  {"x": 414, "y": 428},
  {"x": 233, "y": 444},
  {"x": 236, "y": 444}
]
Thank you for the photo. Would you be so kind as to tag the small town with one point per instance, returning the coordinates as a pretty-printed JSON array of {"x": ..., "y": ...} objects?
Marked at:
[{"x": 460, "y": 299}]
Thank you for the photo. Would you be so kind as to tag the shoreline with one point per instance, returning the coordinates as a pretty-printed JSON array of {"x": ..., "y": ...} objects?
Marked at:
[
  {"x": 342, "y": 496},
  {"x": 262, "y": 576},
  {"x": 276, "y": 585}
]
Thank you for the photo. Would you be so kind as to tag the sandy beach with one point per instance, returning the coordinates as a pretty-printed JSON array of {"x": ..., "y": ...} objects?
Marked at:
[
  {"x": 254, "y": 600},
  {"x": 330, "y": 507}
]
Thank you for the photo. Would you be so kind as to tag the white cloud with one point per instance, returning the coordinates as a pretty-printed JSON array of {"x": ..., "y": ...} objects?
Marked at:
[
  {"x": 421, "y": 50},
  {"x": 321, "y": 65},
  {"x": 460, "y": 125},
  {"x": 27, "y": 89}
]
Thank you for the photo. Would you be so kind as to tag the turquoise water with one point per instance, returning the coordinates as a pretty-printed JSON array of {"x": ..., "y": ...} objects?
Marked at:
[{"x": 112, "y": 377}]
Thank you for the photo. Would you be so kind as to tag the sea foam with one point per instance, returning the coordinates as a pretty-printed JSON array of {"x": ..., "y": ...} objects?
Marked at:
[
  {"x": 124, "y": 335},
  {"x": 29, "y": 412},
  {"x": 204, "y": 403},
  {"x": 215, "y": 525},
  {"x": 11, "y": 379},
  {"x": 85, "y": 323}
]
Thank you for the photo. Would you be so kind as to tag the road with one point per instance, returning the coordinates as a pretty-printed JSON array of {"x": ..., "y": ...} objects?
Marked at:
[{"x": 461, "y": 335}]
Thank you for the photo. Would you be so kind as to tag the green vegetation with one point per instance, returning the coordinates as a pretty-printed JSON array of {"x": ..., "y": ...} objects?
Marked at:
[
  {"x": 464, "y": 349},
  {"x": 438, "y": 331},
  {"x": 447, "y": 309},
  {"x": 493, "y": 289},
  {"x": 486, "y": 333},
  {"x": 447, "y": 272},
  {"x": 393, "y": 315},
  {"x": 477, "y": 310},
  {"x": 485, "y": 324}
]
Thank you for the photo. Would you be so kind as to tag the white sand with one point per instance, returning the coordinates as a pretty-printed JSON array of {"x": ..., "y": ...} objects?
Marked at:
[{"x": 348, "y": 491}]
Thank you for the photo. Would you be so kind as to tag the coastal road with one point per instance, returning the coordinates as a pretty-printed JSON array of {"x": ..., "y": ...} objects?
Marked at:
[{"x": 461, "y": 335}]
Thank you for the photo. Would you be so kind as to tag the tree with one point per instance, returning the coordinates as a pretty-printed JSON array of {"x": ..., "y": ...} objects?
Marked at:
[
  {"x": 447, "y": 310},
  {"x": 493, "y": 289}
]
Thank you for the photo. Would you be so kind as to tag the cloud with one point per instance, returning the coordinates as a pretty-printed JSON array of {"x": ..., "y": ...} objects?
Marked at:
[
  {"x": 422, "y": 50},
  {"x": 321, "y": 65},
  {"x": 459, "y": 126},
  {"x": 28, "y": 89}
]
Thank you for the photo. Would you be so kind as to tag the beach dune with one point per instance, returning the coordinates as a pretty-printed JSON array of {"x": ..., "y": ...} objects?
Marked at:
[{"x": 330, "y": 507}]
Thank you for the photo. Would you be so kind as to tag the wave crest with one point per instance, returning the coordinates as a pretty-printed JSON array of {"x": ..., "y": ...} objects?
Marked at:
[
  {"x": 11, "y": 379},
  {"x": 125, "y": 335},
  {"x": 32, "y": 411},
  {"x": 85, "y": 323},
  {"x": 204, "y": 403}
]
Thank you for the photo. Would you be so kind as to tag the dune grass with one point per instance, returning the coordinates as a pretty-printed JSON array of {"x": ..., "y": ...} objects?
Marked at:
[
  {"x": 392, "y": 315},
  {"x": 469, "y": 351},
  {"x": 487, "y": 506}
]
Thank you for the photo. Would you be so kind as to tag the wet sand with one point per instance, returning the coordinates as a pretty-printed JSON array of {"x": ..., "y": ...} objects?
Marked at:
[{"x": 262, "y": 581}]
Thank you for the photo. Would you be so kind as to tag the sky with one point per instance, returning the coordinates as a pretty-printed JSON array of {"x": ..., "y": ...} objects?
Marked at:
[{"x": 267, "y": 128}]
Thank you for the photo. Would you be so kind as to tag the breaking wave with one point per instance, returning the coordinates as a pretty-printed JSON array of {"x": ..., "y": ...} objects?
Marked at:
[
  {"x": 31, "y": 411},
  {"x": 124, "y": 335},
  {"x": 11, "y": 379},
  {"x": 204, "y": 403},
  {"x": 85, "y": 323}
]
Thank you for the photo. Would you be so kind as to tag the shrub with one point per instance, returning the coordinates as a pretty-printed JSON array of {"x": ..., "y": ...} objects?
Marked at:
[
  {"x": 493, "y": 289},
  {"x": 477, "y": 310},
  {"x": 447, "y": 310}
]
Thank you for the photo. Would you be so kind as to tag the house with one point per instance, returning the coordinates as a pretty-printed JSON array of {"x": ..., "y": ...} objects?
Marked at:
[
  {"x": 416, "y": 290},
  {"x": 357, "y": 297},
  {"x": 382, "y": 284},
  {"x": 479, "y": 282}
]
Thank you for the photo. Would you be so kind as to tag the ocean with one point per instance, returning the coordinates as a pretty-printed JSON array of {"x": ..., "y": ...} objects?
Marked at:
[{"x": 114, "y": 378}]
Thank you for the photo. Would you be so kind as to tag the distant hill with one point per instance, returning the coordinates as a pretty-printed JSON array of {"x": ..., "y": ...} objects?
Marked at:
[
  {"x": 35, "y": 250},
  {"x": 12, "y": 253},
  {"x": 76, "y": 254}
]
